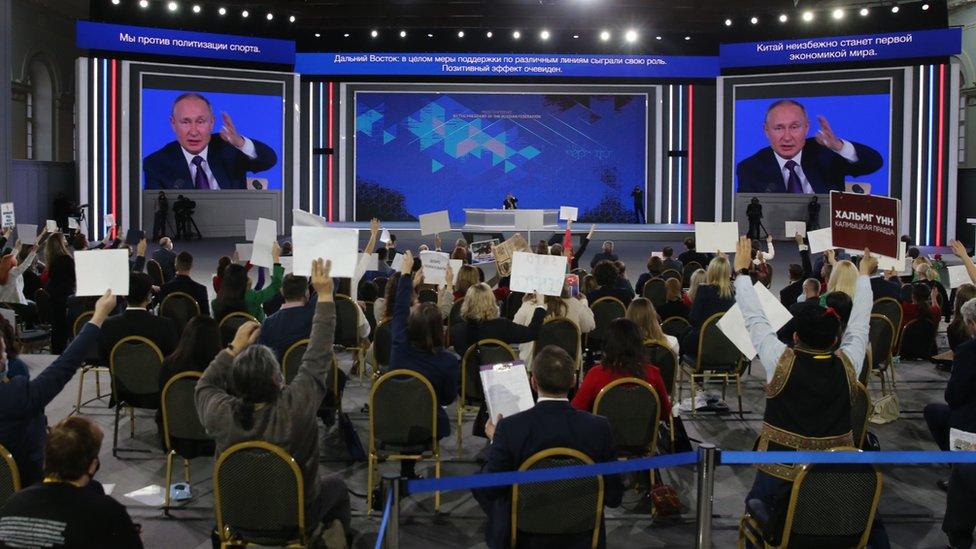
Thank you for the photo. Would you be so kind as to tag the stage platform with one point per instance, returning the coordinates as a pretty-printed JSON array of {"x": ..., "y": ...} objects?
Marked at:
[{"x": 651, "y": 232}]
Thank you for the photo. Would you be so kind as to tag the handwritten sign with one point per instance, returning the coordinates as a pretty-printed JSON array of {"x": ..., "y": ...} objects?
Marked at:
[
  {"x": 504, "y": 251},
  {"x": 435, "y": 267},
  {"x": 545, "y": 274}
]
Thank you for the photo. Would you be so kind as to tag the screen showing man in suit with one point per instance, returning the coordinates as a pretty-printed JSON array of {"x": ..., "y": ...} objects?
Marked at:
[
  {"x": 793, "y": 157},
  {"x": 200, "y": 157}
]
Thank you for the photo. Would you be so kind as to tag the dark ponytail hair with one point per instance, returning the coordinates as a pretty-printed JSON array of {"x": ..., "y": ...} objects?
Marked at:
[{"x": 256, "y": 378}]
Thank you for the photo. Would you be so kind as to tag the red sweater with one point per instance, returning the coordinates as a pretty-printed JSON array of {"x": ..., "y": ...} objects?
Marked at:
[
  {"x": 911, "y": 311},
  {"x": 599, "y": 377}
]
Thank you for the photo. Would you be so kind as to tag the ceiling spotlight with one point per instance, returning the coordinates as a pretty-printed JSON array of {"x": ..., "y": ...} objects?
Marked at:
[
  {"x": 116, "y": 2},
  {"x": 429, "y": 35},
  {"x": 489, "y": 34},
  {"x": 895, "y": 9},
  {"x": 837, "y": 14},
  {"x": 925, "y": 7},
  {"x": 687, "y": 38},
  {"x": 291, "y": 18},
  {"x": 172, "y": 6},
  {"x": 808, "y": 16},
  {"x": 403, "y": 34},
  {"x": 245, "y": 13},
  {"x": 516, "y": 35},
  {"x": 604, "y": 35},
  {"x": 196, "y": 8},
  {"x": 222, "y": 11},
  {"x": 270, "y": 16},
  {"x": 143, "y": 4},
  {"x": 630, "y": 36},
  {"x": 346, "y": 35},
  {"x": 318, "y": 35},
  {"x": 657, "y": 37},
  {"x": 544, "y": 34},
  {"x": 374, "y": 33},
  {"x": 575, "y": 37},
  {"x": 864, "y": 12},
  {"x": 460, "y": 34},
  {"x": 783, "y": 18},
  {"x": 728, "y": 22},
  {"x": 753, "y": 20}
]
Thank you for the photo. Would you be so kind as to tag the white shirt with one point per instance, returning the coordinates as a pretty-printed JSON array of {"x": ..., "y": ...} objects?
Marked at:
[
  {"x": 847, "y": 152},
  {"x": 556, "y": 399},
  {"x": 247, "y": 148}
]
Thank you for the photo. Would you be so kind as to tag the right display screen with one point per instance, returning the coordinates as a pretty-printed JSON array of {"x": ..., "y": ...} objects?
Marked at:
[{"x": 812, "y": 144}]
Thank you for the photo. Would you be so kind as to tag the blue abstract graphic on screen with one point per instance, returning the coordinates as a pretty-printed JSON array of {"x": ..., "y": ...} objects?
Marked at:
[
  {"x": 255, "y": 116},
  {"x": 863, "y": 119},
  {"x": 423, "y": 152}
]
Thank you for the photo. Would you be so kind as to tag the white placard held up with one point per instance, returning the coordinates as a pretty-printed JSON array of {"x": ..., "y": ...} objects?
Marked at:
[
  {"x": 733, "y": 325},
  {"x": 435, "y": 267},
  {"x": 545, "y": 274},
  {"x": 712, "y": 237},
  {"x": 958, "y": 275},
  {"x": 530, "y": 220},
  {"x": 288, "y": 264},
  {"x": 385, "y": 236},
  {"x": 396, "y": 263},
  {"x": 568, "y": 213},
  {"x": 372, "y": 263},
  {"x": 7, "y": 214},
  {"x": 820, "y": 240},
  {"x": 507, "y": 390},
  {"x": 26, "y": 233},
  {"x": 244, "y": 251},
  {"x": 456, "y": 265},
  {"x": 794, "y": 228},
  {"x": 52, "y": 226},
  {"x": 264, "y": 238},
  {"x": 888, "y": 263},
  {"x": 435, "y": 223},
  {"x": 100, "y": 270},
  {"x": 72, "y": 224},
  {"x": 301, "y": 218},
  {"x": 338, "y": 245},
  {"x": 109, "y": 221},
  {"x": 250, "y": 227}
]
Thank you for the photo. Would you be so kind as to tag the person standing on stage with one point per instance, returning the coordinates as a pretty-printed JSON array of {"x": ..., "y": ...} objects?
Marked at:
[
  {"x": 813, "y": 214},
  {"x": 511, "y": 203},
  {"x": 638, "y": 195},
  {"x": 754, "y": 213},
  {"x": 159, "y": 220}
]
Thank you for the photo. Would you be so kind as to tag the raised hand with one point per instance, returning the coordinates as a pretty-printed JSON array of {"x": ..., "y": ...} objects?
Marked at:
[
  {"x": 103, "y": 307},
  {"x": 869, "y": 263},
  {"x": 321, "y": 279},
  {"x": 826, "y": 136},
  {"x": 229, "y": 132},
  {"x": 246, "y": 335},
  {"x": 407, "y": 264},
  {"x": 743, "y": 254}
]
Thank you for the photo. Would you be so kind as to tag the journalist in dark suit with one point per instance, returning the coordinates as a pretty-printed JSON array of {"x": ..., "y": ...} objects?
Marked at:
[
  {"x": 198, "y": 159},
  {"x": 794, "y": 163},
  {"x": 552, "y": 423},
  {"x": 136, "y": 320},
  {"x": 183, "y": 282},
  {"x": 166, "y": 258}
]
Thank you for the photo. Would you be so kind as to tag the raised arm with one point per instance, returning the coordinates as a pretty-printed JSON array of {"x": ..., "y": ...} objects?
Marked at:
[
  {"x": 404, "y": 297},
  {"x": 312, "y": 381},
  {"x": 854, "y": 342},
  {"x": 761, "y": 333},
  {"x": 374, "y": 229},
  {"x": 960, "y": 251}
]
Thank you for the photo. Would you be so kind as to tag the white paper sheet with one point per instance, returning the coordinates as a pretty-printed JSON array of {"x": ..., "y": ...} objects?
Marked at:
[
  {"x": 820, "y": 240},
  {"x": 250, "y": 227},
  {"x": 264, "y": 238},
  {"x": 794, "y": 228},
  {"x": 530, "y": 220},
  {"x": 372, "y": 262},
  {"x": 302, "y": 218},
  {"x": 958, "y": 275},
  {"x": 7, "y": 214},
  {"x": 244, "y": 250},
  {"x": 456, "y": 265},
  {"x": 733, "y": 325},
  {"x": 109, "y": 220},
  {"x": 152, "y": 495},
  {"x": 712, "y": 237},
  {"x": 435, "y": 267},
  {"x": 288, "y": 264},
  {"x": 507, "y": 390},
  {"x": 52, "y": 226},
  {"x": 100, "y": 270},
  {"x": 397, "y": 262},
  {"x": 385, "y": 236},
  {"x": 545, "y": 274},
  {"x": 72, "y": 223},
  {"x": 435, "y": 223},
  {"x": 338, "y": 245},
  {"x": 27, "y": 233},
  {"x": 568, "y": 213}
]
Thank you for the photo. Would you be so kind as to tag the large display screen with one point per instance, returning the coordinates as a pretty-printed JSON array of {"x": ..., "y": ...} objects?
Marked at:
[
  {"x": 423, "y": 152},
  {"x": 238, "y": 138},
  {"x": 813, "y": 132}
]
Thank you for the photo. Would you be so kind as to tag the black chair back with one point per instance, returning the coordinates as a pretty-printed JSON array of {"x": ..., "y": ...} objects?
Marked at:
[
  {"x": 135, "y": 363},
  {"x": 605, "y": 311},
  {"x": 291, "y": 361},
  {"x": 43, "y": 301},
  {"x": 561, "y": 332},
  {"x": 486, "y": 351},
  {"x": 180, "y": 307},
  {"x": 180, "y": 419},
  {"x": 656, "y": 292},
  {"x": 881, "y": 334},
  {"x": 668, "y": 274},
  {"x": 715, "y": 351},
  {"x": 370, "y": 313},
  {"x": 918, "y": 339},
  {"x": 402, "y": 411},
  {"x": 155, "y": 272},
  {"x": 676, "y": 326},
  {"x": 383, "y": 344},
  {"x": 347, "y": 321},
  {"x": 833, "y": 505},
  {"x": 513, "y": 303},
  {"x": 686, "y": 272},
  {"x": 890, "y": 308},
  {"x": 9, "y": 476},
  {"x": 633, "y": 408},
  {"x": 665, "y": 359},
  {"x": 860, "y": 412},
  {"x": 231, "y": 323}
]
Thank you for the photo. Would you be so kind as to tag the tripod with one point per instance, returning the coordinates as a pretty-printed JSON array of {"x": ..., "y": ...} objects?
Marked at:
[{"x": 183, "y": 223}]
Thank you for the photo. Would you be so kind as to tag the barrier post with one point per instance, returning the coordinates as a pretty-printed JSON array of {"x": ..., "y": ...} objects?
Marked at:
[
  {"x": 391, "y": 539},
  {"x": 706, "y": 492}
]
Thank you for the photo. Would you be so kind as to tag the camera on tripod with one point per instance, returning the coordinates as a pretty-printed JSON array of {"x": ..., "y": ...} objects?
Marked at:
[{"x": 183, "y": 210}]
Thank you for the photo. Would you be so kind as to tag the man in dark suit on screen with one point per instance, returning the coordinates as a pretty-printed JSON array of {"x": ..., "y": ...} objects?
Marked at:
[
  {"x": 197, "y": 159},
  {"x": 794, "y": 163}
]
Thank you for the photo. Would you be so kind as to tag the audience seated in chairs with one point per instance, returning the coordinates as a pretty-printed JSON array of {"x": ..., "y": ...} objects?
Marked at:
[
  {"x": 606, "y": 275},
  {"x": 69, "y": 508},
  {"x": 622, "y": 282},
  {"x": 798, "y": 273},
  {"x": 166, "y": 258},
  {"x": 15, "y": 366},
  {"x": 960, "y": 393},
  {"x": 480, "y": 320},
  {"x": 59, "y": 281},
  {"x": 843, "y": 277},
  {"x": 182, "y": 282},
  {"x": 236, "y": 295},
  {"x": 22, "y": 401},
  {"x": 573, "y": 308},
  {"x": 623, "y": 356},
  {"x": 957, "y": 331},
  {"x": 418, "y": 346},
  {"x": 676, "y": 301},
  {"x": 12, "y": 269},
  {"x": 691, "y": 255},
  {"x": 242, "y": 397},
  {"x": 642, "y": 313},
  {"x": 713, "y": 295},
  {"x": 654, "y": 269},
  {"x": 922, "y": 305},
  {"x": 136, "y": 320},
  {"x": 551, "y": 423},
  {"x": 810, "y": 388},
  {"x": 605, "y": 254},
  {"x": 293, "y": 321}
]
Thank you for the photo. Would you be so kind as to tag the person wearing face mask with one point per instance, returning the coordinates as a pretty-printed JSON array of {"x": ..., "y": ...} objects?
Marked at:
[
  {"x": 23, "y": 425},
  {"x": 69, "y": 508},
  {"x": 242, "y": 396}
]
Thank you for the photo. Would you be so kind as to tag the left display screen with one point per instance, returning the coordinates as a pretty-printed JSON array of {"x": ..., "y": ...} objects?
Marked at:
[{"x": 209, "y": 140}]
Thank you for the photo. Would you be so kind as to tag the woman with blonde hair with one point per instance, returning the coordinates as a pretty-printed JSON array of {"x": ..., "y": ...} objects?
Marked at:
[
  {"x": 843, "y": 278},
  {"x": 641, "y": 311},
  {"x": 467, "y": 277},
  {"x": 576, "y": 309},
  {"x": 480, "y": 319},
  {"x": 676, "y": 302},
  {"x": 714, "y": 296},
  {"x": 694, "y": 282}
]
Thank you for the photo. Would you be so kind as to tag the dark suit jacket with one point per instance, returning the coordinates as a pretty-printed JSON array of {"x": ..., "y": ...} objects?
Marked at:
[
  {"x": 167, "y": 167},
  {"x": 960, "y": 392},
  {"x": 467, "y": 333},
  {"x": 131, "y": 322},
  {"x": 185, "y": 284},
  {"x": 167, "y": 262},
  {"x": 883, "y": 288},
  {"x": 789, "y": 294},
  {"x": 824, "y": 169},
  {"x": 282, "y": 329},
  {"x": 550, "y": 424}
]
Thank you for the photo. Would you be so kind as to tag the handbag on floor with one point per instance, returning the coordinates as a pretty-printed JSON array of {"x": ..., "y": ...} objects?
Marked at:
[{"x": 354, "y": 446}]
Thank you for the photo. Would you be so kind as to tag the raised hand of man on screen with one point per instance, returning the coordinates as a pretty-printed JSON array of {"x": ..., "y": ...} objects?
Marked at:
[
  {"x": 229, "y": 132},
  {"x": 826, "y": 136}
]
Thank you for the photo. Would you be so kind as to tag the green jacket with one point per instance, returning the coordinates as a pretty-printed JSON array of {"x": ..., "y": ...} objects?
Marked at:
[{"x": 254, "y": 299}]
